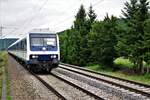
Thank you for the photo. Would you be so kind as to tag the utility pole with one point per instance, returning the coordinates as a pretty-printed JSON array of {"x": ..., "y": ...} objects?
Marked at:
[
  {"x": 1, "y": 31},
  {"x": 1, "y": 27},
  {"x": 1, "y": 35}
]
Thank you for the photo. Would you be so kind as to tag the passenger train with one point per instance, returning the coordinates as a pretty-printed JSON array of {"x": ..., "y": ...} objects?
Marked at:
[{"x": 38, "y": 49}]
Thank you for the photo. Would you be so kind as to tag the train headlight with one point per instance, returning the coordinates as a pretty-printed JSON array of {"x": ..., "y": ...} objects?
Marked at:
[
  {"x": 44, "y": 48},
  {"x": 36, "y": 56},
  {"x": 53, "y": 56},
  {"x": 33, "y": 56}
]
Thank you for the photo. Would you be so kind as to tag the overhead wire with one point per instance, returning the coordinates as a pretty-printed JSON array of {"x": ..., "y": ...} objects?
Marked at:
[
  {"x": 31, "y": 19},
  {"x": 40, "y": 8},
  {"x": 3, "y": 26},
  {"x": 62, "y": 21}
]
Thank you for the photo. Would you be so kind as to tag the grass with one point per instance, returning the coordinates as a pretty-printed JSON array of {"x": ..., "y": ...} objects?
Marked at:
[
  {"x": 1, "y": 73},
  {"x": 8, "y": 86},
  {"x": 3, "y": 64},
  {"x": 0, "y": 81},
  {"x": 123, "y": 63},
  {"x": 138, "y": 78}
]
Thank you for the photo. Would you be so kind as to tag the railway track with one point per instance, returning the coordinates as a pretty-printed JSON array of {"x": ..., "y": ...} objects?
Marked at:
[
  {"x": 136, "y": 87},
  {"x": 78, "y": 87},
  {"x": 60, "y": 95},
  {"x": 44, "y": 78},
  {"x": 83, "y": 72},
  {"x": 49, "y": 86}
]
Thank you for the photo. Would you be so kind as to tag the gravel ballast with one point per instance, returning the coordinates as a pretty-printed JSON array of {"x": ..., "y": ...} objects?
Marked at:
[
  {"x": 90, "y": 88},
  {"x": 68, "y": 91},
  {"x": 110, "y": 89}
]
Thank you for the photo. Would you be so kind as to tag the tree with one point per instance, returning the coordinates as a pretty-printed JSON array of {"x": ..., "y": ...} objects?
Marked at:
[
  {"x": 142, "y": 17},
  {"x": 146, "y": 43},
  {"x": 130, "y": 10},
  {"x": 104, "y": 40},
  {"x": 122, "y": 47},
  {"x": 80, "y": 20},
  {"x": 77, "y": 51},
  {"x": 65, "y": 44},
  {"x": 80, "y": 34},
  {"x": 91, "y": 17},
  {"x": 91, "y": 20},
  {"x": 136, "y": 14}
]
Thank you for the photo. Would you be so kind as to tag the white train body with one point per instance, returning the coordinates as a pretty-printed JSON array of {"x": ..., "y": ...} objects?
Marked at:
[{"x": 38, "y": 48}]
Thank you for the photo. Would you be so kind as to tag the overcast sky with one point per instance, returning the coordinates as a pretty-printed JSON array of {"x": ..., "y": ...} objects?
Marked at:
[{"x": 20, "y": 16}]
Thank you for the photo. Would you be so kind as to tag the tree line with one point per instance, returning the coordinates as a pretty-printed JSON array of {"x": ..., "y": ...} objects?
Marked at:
[{"x": 101, "y": 42}]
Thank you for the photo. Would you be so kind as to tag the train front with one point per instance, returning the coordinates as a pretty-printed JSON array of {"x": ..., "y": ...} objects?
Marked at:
[{"x": 44, "y": 50}]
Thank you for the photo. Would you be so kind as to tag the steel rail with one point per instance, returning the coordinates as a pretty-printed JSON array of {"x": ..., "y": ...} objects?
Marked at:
[
  {"x": 107, "y": 81},
  {"x": 98, "y": 73},
  {"x": 41, "y": 80},
  {"x": 78, "y": 87},
  {"x": 49, "y": 87}
]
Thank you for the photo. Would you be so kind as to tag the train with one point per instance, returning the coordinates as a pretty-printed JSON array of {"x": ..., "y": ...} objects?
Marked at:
[{"x": 38, "y": 50}]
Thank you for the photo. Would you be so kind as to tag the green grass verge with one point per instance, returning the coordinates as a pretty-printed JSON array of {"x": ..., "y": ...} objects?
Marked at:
[
  {"x": 0, "y": 81},
  {"x": 3, "y": 64},
  {"x": 123, "y": 63},
  {"x": 8, "y": 97},
  {"x": 1, "y": 73},
  {"x": 138, "y": 78}
]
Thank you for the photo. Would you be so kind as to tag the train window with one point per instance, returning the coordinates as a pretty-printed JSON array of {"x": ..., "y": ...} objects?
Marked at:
[
  {"x": 21, "y": 45},
  {"x": 43, "y": 41},
  {"x": 49, "y": 41},
  {"x": 36, "y": 42},
  {"x": 25, "y": 44}
]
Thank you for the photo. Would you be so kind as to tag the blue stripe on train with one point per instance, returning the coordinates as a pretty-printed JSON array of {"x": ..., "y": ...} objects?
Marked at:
[
  {"x": 39, "y": 48},
  {"x": 40, "y": 58},
  {"x": 44, "y": 58}
]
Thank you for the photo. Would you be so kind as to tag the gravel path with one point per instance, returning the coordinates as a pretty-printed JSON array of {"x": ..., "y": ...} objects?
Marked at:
[{"x": 24, "y": 86}]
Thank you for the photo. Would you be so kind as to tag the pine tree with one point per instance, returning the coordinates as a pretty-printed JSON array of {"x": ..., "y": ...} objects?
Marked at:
[
  {"x": 136, "y": 15},
  {"x": 104, "y": 41},
  {"x": 91, "y": 15},
  {"x": 131, "y": 9},
  {"x": 128, "y": 40},
  {"x": 91, "y": 20},
  {"x": 80, "y": 34},
  {"x": 142, "y": 17},
  {"x": 80, "y": 20},
  {"x": 147, "y": 43},
  {"x": 76, "y": 51}
]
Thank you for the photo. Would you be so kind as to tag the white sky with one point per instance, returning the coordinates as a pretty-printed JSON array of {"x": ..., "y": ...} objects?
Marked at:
[{"x": 20, "y": 16}]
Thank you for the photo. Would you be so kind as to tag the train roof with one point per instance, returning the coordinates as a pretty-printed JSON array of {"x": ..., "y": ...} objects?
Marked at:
[
  {"x": 42, "y": 31},
  {"x": 34, "y": 31},
  {"x": 17, "y": 41}
]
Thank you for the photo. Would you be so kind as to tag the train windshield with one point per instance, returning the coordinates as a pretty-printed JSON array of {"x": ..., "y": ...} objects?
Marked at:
[{"x": 43, "y": 42}]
